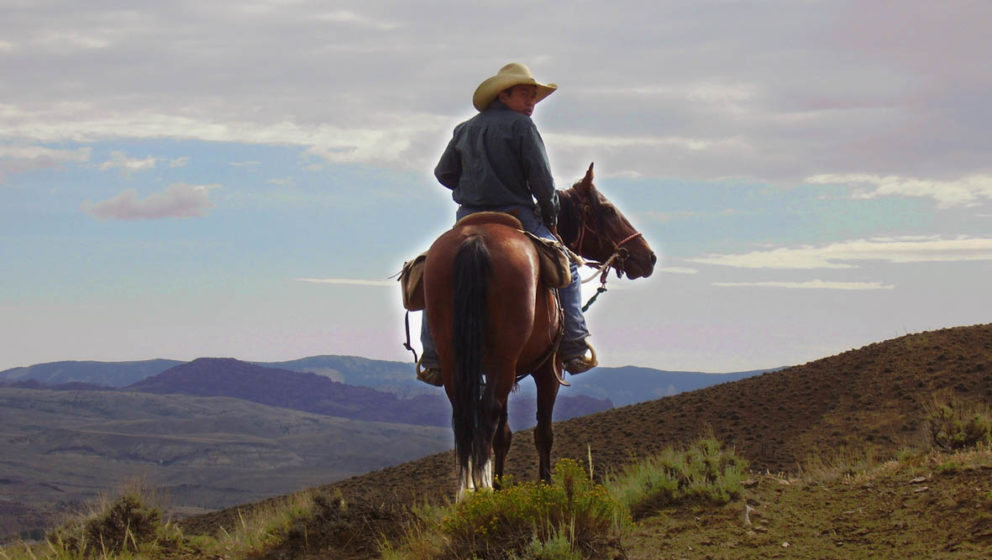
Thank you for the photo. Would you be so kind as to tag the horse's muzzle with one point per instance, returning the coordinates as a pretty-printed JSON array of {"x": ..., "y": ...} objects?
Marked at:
[{"x": 638, "y": 265}]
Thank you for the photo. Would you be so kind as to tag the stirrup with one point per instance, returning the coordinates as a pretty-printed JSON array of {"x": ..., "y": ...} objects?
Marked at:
[
  {"x": 430, "y": 375},
  {"x": 580, "y": 364}
]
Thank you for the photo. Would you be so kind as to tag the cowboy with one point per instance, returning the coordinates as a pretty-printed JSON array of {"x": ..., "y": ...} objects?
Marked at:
[{"x": 496, "y": 161}]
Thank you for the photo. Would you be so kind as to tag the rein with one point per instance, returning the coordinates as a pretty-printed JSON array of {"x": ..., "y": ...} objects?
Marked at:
[
  {"x": 614, "y": 261},
  {"x": 619, "y": 255}
]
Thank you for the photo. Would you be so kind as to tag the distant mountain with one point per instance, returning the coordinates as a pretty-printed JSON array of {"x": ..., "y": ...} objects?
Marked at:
[
  {"x": 71, "y": 386},
  {"x": 227, "y": 377},
  {"x": 395, "y": 377},
  {"x": 621, "y": 385},
  {"x": 109, "y": 374},
  {"x": 630, "y": 384}
]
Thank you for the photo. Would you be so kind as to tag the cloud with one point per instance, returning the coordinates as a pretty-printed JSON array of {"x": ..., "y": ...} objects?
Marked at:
[
  {"x": 176, "y": 201},
  {"x": 966, "y": 191},
  {"x": 678, "y": 270},
  {"x": 352, "y": 18},
  {"x": 348, "y": 281},
  {"x": 573, "y": 141},
  {"x": 669, "y": 216},
  {"x": 119, "y": 160},
  {"x": 839, "y": 87},
  {"x": 840, "y": 255},
  {"x": 808, "y": 285},
  {"x": 67, "y": 42},
  {"x": 24, "y": 158},
  {"x": 402, "y": 141}
]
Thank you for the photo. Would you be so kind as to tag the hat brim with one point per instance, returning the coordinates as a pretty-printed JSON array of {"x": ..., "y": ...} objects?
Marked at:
[{"x": 491, "y": 88}]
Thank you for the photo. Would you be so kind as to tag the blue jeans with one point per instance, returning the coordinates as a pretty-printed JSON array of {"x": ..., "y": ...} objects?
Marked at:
[{"x": 571, "y": 295}]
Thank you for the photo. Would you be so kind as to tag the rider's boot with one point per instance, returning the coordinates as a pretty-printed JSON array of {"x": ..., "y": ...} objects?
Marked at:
[
  {"x": 578, "y": 356},
  {"x": 429, "y": 371}
]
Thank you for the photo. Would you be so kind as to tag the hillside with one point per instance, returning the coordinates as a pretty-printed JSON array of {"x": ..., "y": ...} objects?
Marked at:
[
  {"x": 62, "y": 449},
  {"x": 69, "y": 443},
  {"x": 864, "y": 401}
]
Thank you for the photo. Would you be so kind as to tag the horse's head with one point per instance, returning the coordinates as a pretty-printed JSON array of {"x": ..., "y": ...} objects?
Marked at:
[{"x": 593, "y": 227}]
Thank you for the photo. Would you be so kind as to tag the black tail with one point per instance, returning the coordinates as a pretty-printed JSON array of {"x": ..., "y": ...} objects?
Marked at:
[{"x": 471, "y": 416}]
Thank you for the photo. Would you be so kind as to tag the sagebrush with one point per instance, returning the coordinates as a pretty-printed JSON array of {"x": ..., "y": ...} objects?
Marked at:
[{"x": 705, "y": 472}]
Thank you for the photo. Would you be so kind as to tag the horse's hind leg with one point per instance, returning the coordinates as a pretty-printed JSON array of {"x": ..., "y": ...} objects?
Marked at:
[
  {"x": 546, "y": 379},
  {"x": 501, "y": 446}
]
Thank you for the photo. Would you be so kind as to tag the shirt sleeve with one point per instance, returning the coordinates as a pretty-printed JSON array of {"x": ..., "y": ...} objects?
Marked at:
[
  {"x": 537, "y": 170},
  {"x": 449, "y": 169}
]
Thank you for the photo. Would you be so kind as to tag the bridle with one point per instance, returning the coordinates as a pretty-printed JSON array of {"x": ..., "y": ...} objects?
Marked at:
[{"x": 620, "y": 253}]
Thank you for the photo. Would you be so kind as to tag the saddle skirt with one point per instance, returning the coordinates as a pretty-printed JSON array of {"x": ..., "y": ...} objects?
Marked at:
[{"x": 552, "y": 257}]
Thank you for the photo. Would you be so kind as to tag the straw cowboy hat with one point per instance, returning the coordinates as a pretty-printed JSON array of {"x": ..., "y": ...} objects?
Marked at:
[{"x": 513, "y": 74}]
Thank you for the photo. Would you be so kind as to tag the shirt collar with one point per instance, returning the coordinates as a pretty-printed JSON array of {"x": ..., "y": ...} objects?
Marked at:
[{"x": 497, "y": 105}]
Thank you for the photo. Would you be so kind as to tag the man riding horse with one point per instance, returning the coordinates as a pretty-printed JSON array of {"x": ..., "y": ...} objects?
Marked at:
[{"x": 496, "y": 161}]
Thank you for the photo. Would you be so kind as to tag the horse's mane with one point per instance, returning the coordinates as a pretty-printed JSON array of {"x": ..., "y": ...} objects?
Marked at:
[
  {"x": 573, "y": 195},
  {"x": 570, "y": 201}
]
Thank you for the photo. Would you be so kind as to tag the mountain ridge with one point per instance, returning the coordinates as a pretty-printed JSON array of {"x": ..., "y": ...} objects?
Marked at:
[
  {"x": 621, "y": 385},
  {"x": 308, "y": 392}
]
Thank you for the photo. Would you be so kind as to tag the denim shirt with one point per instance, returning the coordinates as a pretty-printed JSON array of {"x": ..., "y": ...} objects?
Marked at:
[{"x": 497, "y": 158}]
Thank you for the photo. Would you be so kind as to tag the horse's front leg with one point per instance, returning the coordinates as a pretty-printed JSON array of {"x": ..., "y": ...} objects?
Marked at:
[{"x": 546, "y": 379}]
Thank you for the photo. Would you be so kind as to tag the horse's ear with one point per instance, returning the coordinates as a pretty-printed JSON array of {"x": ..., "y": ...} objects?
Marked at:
[{"x": 586, "y": 183}]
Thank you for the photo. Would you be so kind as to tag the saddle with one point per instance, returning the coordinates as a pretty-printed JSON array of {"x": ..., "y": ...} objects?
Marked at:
[{"x": 552, "y": 257}]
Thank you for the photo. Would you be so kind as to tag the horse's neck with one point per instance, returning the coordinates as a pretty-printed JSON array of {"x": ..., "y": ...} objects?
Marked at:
[{"x": 568, "y": 219}]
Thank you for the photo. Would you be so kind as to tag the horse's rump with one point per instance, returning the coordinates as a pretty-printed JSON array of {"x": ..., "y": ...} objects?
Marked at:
[{"x": 482, "y": 289}]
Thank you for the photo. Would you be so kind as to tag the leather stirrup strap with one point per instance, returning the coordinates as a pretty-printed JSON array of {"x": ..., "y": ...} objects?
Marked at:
[{"x": 406, "y": 320}]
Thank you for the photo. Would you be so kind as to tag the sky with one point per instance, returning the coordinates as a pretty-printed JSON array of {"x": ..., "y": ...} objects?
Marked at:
[{"x": 184, "y": 179}]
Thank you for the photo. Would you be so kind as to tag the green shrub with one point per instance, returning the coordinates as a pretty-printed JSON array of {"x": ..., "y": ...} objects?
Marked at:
[
  {"x": 704, "y": 472},
  {"x": 536, "y": 520},
  {"x": 558, "y": 547},
  {"x": 957, "y": 423},
  {"x": 124, "y": 525}
]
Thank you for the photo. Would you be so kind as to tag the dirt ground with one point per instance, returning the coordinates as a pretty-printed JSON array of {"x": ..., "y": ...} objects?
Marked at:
[
  {"x": 899, "y": 511},
  {"x": 866, "y": 402}
]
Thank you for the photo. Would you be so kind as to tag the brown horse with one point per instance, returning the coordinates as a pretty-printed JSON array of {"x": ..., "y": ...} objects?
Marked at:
[{"x": 494, "y": 323}]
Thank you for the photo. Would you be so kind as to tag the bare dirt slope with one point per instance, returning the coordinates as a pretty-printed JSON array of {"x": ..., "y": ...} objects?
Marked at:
[{"x": 870, "y": 398}]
